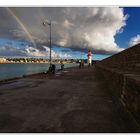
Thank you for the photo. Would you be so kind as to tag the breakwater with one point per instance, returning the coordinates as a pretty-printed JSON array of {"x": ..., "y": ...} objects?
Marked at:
[{"x": 122, "y": 73}]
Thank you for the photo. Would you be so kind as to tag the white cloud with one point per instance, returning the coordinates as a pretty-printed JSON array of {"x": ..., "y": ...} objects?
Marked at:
[
  {"x": 79, "y": 28},
  {"x": 30, "y": 51},
  {"x": 134, "y": 40},
  {"x": 67, "y": 24}
]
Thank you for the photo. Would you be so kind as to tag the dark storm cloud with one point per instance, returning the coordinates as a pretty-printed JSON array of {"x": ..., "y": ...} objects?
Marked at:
[{"x": 9, "y": 50}]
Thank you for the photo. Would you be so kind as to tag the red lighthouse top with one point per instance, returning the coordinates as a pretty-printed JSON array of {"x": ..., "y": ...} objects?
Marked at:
[{"x": 89, "y": 53}]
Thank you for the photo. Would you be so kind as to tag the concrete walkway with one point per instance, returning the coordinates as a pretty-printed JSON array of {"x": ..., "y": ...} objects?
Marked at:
[{"x": 75, "y": 100}]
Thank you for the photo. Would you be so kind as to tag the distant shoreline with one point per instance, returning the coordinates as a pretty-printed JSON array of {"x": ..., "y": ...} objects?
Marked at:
[
  {"x": 33, "y": 63},
  {"x": 24, "y": 62}
]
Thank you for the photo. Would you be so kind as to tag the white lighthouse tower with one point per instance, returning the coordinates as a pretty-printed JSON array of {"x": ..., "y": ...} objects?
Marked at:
[{"x": 89, "y": 58}]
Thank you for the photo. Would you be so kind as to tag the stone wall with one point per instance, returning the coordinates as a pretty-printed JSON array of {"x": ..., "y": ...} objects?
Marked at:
[
  {"x": 127, "y": 60},
  {"x": 122, "y": 73}
]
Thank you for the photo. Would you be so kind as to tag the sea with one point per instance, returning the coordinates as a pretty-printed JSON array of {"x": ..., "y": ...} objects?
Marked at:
[{"x": 12, "y": 70}]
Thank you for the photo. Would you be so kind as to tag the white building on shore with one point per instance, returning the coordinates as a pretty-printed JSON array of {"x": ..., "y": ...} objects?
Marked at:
[{"x": 2, "y": 60}]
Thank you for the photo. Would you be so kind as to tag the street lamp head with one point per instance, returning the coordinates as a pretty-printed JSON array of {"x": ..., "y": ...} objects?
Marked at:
[
  {"x": 43, "y": 23},
  {"x": 46, "y": 22}
]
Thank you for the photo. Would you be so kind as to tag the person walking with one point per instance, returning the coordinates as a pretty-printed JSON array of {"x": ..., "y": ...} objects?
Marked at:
[{"x": 62, "y": 65}]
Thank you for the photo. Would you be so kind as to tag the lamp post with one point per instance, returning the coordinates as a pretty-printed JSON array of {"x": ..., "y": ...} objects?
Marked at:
[{"x": 49, "y": 24}]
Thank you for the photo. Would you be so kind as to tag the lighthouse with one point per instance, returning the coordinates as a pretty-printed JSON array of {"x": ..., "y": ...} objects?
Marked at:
[{"x": 89, "y": 58}]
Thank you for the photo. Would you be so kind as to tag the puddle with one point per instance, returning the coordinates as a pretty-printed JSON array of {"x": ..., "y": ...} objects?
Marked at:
[
  {"x": 65, "y": 71},
  {"x": 14, "y": 84}
]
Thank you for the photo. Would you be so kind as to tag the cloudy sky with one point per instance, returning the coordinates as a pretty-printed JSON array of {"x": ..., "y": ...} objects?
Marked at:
[{"x": 104, "y": 31}]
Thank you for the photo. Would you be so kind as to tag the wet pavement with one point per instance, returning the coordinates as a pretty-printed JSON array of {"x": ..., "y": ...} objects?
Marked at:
[{"x": 75, "y": 100}]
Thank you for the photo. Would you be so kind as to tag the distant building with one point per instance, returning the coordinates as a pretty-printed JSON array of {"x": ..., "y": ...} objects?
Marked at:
[
  {"x": 2, "y": 60},
  {"x": 21, "y": 61}
]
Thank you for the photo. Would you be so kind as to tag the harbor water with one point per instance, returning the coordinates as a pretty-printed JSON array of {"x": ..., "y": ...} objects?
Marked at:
[{"x": 11, "y": 70}]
